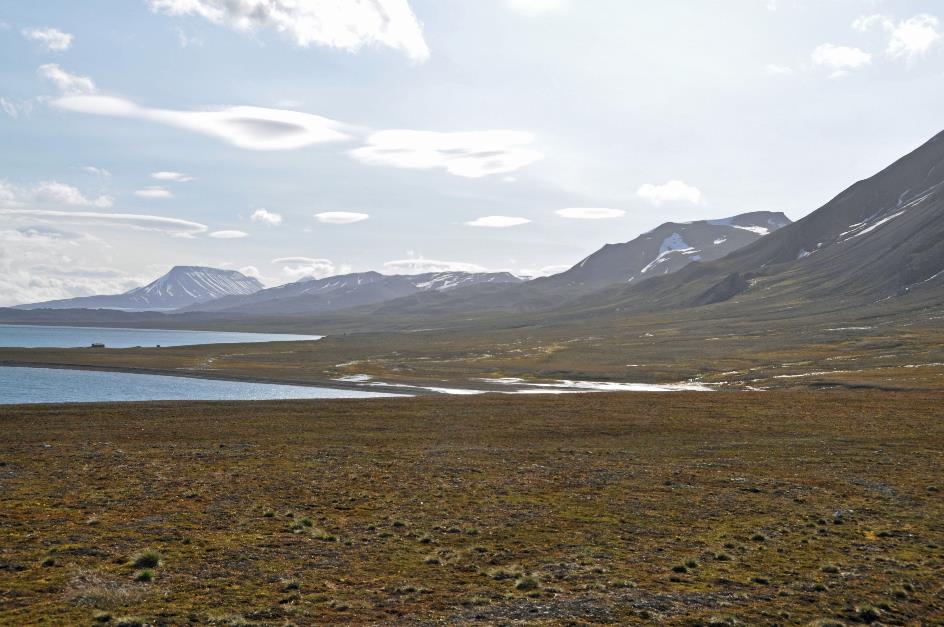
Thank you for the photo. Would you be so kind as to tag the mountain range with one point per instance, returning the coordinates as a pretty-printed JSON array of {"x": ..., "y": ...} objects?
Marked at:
[
  {"x": 664, "y": 250},
  {"x": 878, "y": 245}
]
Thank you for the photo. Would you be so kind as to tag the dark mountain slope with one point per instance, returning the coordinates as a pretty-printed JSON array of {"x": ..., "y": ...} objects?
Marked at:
[
  {"x": 880, "y": 238},
  {"x": 665, "y": 250}
]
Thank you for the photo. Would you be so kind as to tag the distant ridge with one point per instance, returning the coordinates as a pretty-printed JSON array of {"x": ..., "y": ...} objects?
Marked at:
[{"x": 349, "y": 290}]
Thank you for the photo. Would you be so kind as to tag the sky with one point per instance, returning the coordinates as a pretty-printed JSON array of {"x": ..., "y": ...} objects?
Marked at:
[{"x": 294, "y": 138}]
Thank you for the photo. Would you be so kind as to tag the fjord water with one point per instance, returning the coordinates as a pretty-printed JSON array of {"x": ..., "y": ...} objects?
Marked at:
[
  {"x": 30, "y": 336},
  {"x": 56, "y": 385}
]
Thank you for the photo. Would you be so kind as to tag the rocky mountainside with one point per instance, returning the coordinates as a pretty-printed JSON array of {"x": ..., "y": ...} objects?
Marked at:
[{"x": 666, "y": 249}]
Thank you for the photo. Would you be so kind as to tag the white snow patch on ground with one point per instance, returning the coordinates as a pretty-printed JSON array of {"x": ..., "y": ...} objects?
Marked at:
[
  {"x": 608, "y": 386},
  {"x": 720, "y": 240},
  {"x": 760, "y": 230},
  {"x": 456, "y": 391},
  {"x": 354, "y": 378},
  {"x": 877, "y": 224},
  {"x": 673, "y": 242}
]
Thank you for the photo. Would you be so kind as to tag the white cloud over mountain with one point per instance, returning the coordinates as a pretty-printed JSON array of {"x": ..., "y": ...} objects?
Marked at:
[
  {"x": 346, "y": 25},
  {"x": 420, "y": 265},
  {"x": 671, "y": 192},
  {"x": 301, "y": 267}
]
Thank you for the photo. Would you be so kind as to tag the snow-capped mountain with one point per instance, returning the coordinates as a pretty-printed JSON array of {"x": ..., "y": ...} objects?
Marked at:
[
  {"x": 349, "y": 290},
  {"x": 182, "y": 286},
  {"x": 666, "y": 249}
]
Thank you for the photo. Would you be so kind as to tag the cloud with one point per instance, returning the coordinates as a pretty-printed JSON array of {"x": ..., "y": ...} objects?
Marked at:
[
  {"x": 68, "y": 84},
  {"x": 153, "y": 193},
  {"x": 170, "y": 226},
  {"x": 8, "y": 194},
  {"x": 419, "y": 265},
  {"x": 341, "y": 217},
  {"x": 470, "y": 154},
  {"x": 52, "y": 39},
  {"x": 590, "y": 213},
  {"x": 498, "y": 222},
  {"x": 346, "y": 25},
  {"x": 840, "y": 58},
  {"x": 671, "y": 192},
  {"x": 300, "y": 267},
  {"x": 537, "y": 7},
  {"x": 778, "y": 70},
  {"x": 175, "y": 177},
  {"x": 52, "y": 192},
  {"x": 252, "y": 128},
  {"x": 229, "y": 234},
  {"x": 266, "y": 217},
  {"x": 16, "y": 108},
  {"x": 251, "y": 271},
  {"x": 40, "y": 263},
  {"x": 909, "y": 39},
  {"x": 545, "y": 271},
  {"x": 100, "y": 172}
]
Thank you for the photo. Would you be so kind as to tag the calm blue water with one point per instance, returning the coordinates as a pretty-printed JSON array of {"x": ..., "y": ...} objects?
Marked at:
[
  {"x": 28, "y": 336},
  {"x": 50, "y": 385}
]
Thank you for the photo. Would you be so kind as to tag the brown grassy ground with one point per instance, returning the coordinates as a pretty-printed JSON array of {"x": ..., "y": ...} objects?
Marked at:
[{"x": 777, "y": 508}]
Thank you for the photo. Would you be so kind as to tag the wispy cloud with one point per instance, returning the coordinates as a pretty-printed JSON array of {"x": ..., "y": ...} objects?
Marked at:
[
  {"x": 671, "y": 192},
  {"x": 174, "y": 177},
  {"x": 153, "y": 193},
  {"x": 590, "y": 213},
  {"x": 40, "y": 263},
  {"x": 840, "y": 59},
  {"x": 498, "y": 222},
  {"x": 229, "y": 234},
  {"x": 96, "y": 171},
  {"x": 50, "y": 193},
  {"x": 252, "y": 128},
  {"x": 16, "y": 108},
  {"x": 343, "y": 25},
  {"x": 53, "y": 192},
  {"x": 341, "y": 217},
  {"x": 68, "y": 84},
  {"x": 420, "y": 265},
  {"x": 51, "y": 39},
  {"x": 266, "y": 217},
  {"x": 171, "y": 226},
  {"x": 471, "y": 154}
]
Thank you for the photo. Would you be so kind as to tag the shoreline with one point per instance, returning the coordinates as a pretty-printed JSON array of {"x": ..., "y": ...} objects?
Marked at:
[{"x": 190, "y": 374}]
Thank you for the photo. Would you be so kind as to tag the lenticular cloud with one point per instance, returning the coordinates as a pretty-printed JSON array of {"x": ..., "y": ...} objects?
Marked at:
[{"x": 252, "y": 128}]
